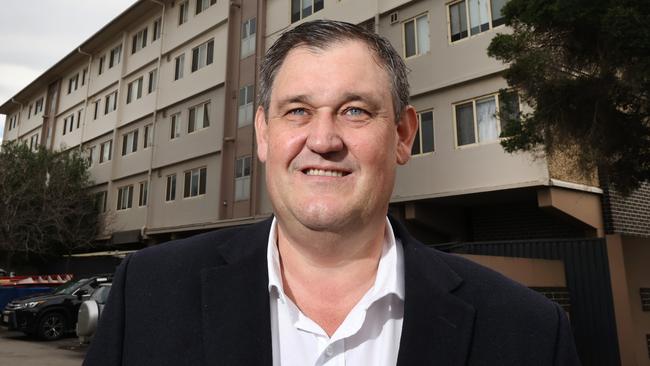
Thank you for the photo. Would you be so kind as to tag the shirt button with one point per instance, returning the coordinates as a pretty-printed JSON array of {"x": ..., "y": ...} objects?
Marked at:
[{"x": 329, "y": 351}]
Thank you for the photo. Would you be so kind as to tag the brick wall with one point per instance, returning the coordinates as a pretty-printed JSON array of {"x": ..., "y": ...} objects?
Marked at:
[{"x": 627, "y": 215}]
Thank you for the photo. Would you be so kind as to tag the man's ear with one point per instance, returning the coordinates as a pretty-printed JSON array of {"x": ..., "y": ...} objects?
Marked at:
[
  {"x": 261, "y": 134},
  {"x": 407, "y": 127}
]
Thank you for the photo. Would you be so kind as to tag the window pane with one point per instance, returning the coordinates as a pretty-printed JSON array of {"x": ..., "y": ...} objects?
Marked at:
[
  {"x": 210, "y": 54},
  {"x": 202, "y": 181},
  {"x": 306, "y": 7},
  {"x": 409, "y": 38},
  {"x": 423, "y": 34},
  {"x": 195, "y": 183},
  {"x": 416, "y": 143},
  {"x": 295, "y": 10},
  {"x": 206, "y": 115},
  {"x": 465, "y": 124},
  {"x": 318, "y": 5},
  {"x": 478, "y": 16},
  {"x": 486, "y": 119},
  {"x": 186, "y": 188},
  {"x": 426, "y": 123},
  {"x": 497, "y": 15}
]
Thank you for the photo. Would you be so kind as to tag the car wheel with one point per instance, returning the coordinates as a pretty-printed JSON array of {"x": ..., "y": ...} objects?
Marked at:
[{"x": 51, "y": 326}]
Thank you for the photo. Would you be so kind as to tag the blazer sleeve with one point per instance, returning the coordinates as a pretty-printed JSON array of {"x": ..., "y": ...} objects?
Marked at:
[
  {"x": 106, "y": 347},
  {"x": 565, "y": 349}
]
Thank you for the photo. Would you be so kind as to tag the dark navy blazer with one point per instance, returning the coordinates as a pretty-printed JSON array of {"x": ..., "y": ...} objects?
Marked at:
[{"x": 204, "y": 301}]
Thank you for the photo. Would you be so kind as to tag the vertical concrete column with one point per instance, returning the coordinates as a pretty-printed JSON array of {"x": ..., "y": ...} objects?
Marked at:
[{"x": 622, "y": 307}]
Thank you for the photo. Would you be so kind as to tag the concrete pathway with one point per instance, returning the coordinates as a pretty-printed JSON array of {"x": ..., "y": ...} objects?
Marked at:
[{"x": 18, "y": 349}]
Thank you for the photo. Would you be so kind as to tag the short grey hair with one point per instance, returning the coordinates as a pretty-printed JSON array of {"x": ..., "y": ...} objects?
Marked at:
[{"x": 321, "y": 34}]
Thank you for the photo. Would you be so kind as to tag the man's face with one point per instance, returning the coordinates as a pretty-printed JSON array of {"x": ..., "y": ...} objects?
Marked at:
[{"x": 330, "y": 142}]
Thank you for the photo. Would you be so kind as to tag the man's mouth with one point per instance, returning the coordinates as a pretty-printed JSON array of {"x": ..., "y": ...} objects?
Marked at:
[{"x": 324, "y": 172}]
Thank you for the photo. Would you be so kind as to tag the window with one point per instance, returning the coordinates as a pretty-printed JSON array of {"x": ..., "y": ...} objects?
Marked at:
[
  {"x": 92, "y": 155},
  {"x": 100, "y": 201},
  {"x": 204, "y": 4},
  {"x": 424, "y": 142},
  {"x": 33, "y": 142},
  {"x": 170, "y": 192},
  {"x": 194, "y": 182},
  {"x": 142, "y": 198},
  {"x": 130, "y": 142},
  {"x": 115, "y": 56},
  {"x": 198, "y": 117},
  {"x": 79, "y": 117},
  {"x": 645, "y": 299},
  {"x": 96, "y": 108},
  {"x": 38, "y": 106},
  {"x": 183, "y": 12},
  {"x": 84, "y": 73},
  {"x": 480, "y": 15},
  {"x": 29, "y": 113},
  {"x": 245, "y": 115},
  {"x": 153, "y": 80},
  {"x": 248, "y": 30},
  {"x": 175, "y": 126},
  {"x": 139, "y": 41},
  {"x": 68, "y": 123},
  {"x": 178, "y": 69},
  {"x": 242, "y": 178},
  {"x": 477, "y": 120},
  {"x": 73, "y": 83},
  {"x": 202, "y": 55},
  {"x": 304, "y": 8},
  {"x": 124, "y": 197},
  {"x": 148, "y": 135},
  {"x": 101, "y": 64},
  {"x": 13, "y": 121},
  {"x": 110, "y": 103},
  {"x": 156, "y": 30},
  {"x": 134, "y": 90},
  {"x": 416, "y": 36},
  {"x": 105, "y": 153}
]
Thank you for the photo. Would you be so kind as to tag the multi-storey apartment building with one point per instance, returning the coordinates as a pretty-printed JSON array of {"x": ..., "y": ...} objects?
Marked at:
[{"x": 162, "y": 101}]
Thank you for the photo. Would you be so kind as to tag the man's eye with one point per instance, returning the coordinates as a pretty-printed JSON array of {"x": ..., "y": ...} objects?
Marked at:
[
  {"x": 298, "y": 112},
  {"x": 354, "y": 112}
]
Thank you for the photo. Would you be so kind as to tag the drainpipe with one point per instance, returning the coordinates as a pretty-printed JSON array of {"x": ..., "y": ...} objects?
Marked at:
[
  {"x": 143, "y": 229},
  {"x": 83, "y": 125}
]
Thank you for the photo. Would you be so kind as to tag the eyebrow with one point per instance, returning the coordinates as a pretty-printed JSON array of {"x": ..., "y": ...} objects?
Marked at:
[{"x": 372, "y": 102}]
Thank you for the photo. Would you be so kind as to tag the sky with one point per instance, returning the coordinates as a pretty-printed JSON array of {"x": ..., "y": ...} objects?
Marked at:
[{"x": 36, "y": 34}]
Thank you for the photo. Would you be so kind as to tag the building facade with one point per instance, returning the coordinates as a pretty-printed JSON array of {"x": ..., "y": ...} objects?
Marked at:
[{"x": 162, "y": 101}]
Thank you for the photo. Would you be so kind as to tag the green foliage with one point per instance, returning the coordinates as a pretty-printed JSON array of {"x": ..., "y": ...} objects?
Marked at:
[
  {"x": 46, "y": 208},
  {"x": 584, "y": 68}
]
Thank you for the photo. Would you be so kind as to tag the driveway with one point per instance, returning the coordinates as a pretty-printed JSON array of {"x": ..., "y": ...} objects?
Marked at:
[{"x": 19, "y": 350}]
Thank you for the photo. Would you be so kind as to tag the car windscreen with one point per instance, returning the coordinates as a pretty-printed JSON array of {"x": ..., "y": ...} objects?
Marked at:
[{"x": 69, "y": 287}]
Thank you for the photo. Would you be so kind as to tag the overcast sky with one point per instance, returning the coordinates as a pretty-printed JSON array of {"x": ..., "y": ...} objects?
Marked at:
[{"x": 35, "y": 34}]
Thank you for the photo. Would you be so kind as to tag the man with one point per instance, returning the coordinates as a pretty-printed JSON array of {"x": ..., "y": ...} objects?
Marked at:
[{"x": 329, "y": 280}]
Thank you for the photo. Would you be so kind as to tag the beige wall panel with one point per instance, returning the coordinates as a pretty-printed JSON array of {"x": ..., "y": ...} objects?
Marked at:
[
  {"x": 452, "y": 63},
  {"x": 173, "y": 91},
  {"x": 100, "y": 172},
  {"x": 176, "y": 35},
  {"x": 77, "y": 96},
  {"x": 450, "y": 170},
  {"x": 104, "y": 122},
  {"x": 185, "y": 211},
  {"x": 637, "y": 259},
  {"x": 135, "y": 162},
  {"x": 387, "y": 5},
  {"x": 189, "y": 145},
  {"x": 109, "y": 75},
  {"x": 138, "y": 108},
  {"x": 149, "y": 53},
  {"x": 131, "y": 218}
]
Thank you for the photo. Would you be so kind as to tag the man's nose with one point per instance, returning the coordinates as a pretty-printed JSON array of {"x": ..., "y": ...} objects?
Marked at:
[{"x": 324, "y": 135}]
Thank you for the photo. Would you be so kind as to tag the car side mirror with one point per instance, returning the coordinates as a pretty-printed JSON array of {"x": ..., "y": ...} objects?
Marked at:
[{"x": 82, "y": 294}]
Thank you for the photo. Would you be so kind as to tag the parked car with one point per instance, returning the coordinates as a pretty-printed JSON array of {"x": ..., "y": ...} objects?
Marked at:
[
  {"x": 90, "y": 311},
  {"x": 50, "y": 316}
]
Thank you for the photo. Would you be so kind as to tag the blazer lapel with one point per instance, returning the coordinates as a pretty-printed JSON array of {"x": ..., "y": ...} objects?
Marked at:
[
  {"x": 438, "y": 326},
  {"x": 235, "y": 302}
]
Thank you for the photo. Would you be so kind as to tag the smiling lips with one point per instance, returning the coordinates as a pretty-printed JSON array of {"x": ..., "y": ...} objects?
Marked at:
[{"x": 324, "y": 173}]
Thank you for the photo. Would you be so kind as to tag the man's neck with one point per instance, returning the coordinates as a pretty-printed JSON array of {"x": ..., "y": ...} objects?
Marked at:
[{"x": 327, "y": 274}]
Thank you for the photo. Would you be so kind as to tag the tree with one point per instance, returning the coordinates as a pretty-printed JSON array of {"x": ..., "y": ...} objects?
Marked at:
[
  {"x": 46, "y": 208},
  {"x": 584, "y": 68}
]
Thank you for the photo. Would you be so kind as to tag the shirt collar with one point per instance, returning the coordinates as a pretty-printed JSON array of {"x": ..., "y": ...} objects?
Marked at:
[{"x": 390, "y": 271}]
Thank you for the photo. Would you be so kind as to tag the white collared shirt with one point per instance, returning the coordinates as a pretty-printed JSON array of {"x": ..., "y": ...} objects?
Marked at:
[{"x": 369, "y": 335}]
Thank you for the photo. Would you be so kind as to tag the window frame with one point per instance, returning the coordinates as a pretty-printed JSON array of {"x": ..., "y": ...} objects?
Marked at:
[
  {"x": 419, "y": 137},
  {"x": 203, "y": 5},
  {"x": 138, "y": 92},
  {"x": 121, "y": 197},
  {"x": 248, "y": 38},
  {"x": 143, "y": 189},
  {"x": 468, "y": 31},
  {"x": 301, "y": 8},
  {"x": 130, "y": 142},
  {"x": 156, "y": 30},
  {"x": 170, "y": 188},
  {"x": 245, "y": 110},
  {"x": 115, "y": 56},
  {"x": 108, "y": 106},
  {"x": 175, "y": 126},
  {"x": 474, "y": 101},
  {"x": 189, "y": 175},
  {"x": 192, "y": 125},
  {"x": 139, "y": 40},
  {"x": 202, "y": 55},
  {"x": 148, "y": 136},
  {"x": 179, "y": 66},
  {"x": 416, "y": 40},
  {"x": 243, "y": 177},
  {"x": 105, "y": 154},
  {"x": 153, "y": 81},
  {"x": 183, "y": 12}
]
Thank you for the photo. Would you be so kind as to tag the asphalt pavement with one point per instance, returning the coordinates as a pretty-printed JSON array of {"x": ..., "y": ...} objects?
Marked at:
[{"x": 18, "y": 349}]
